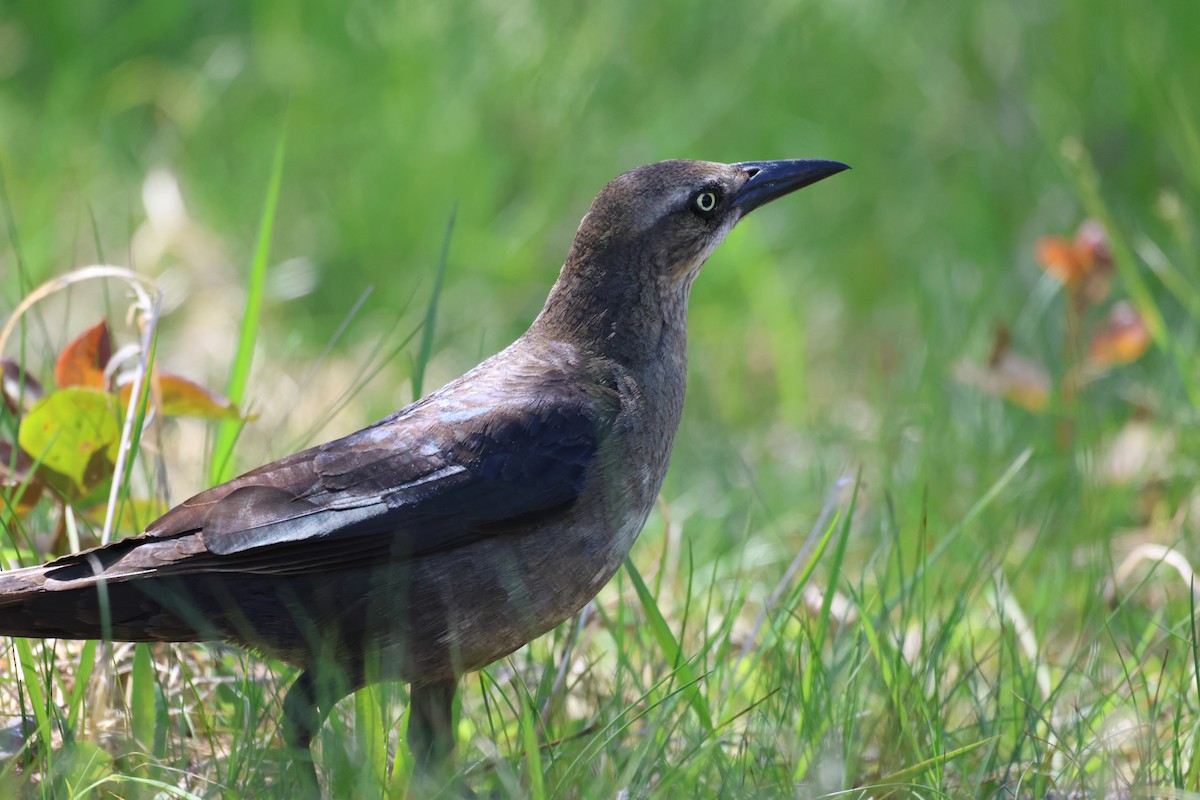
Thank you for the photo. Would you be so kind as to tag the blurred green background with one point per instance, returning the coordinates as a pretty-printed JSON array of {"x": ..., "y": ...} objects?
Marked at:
[
  {"x": 828, "y": 334},
  {"x": 824, "y": 333}
]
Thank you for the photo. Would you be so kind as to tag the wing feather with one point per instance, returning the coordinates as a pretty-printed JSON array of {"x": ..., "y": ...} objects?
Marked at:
[{"x": 408, "y": 486}]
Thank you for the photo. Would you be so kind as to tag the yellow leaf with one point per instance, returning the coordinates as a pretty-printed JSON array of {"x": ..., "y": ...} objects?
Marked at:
[{"x": 179, "y": 397}]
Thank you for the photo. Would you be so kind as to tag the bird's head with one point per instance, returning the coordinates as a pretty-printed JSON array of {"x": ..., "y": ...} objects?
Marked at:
[
  {"x": 670, "y": 216},
  {"x": 643, "y": 241}
]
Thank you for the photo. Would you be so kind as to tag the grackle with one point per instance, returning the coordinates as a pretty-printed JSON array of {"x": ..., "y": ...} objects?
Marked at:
[{"x": 452, "y": 532}]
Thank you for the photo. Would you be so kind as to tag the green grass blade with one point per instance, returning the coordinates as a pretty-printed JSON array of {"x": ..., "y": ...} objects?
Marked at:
[
  {"x": 83, "y": 675},
  {"x": 37, "y": 697},
  {"x": 669, "y": 646},
  {"x": 910, "y": 772},
  {"x": 164, "y": 789},
  {"x": 1140, "y": 292},
  {"x": 372, "y": 733},
  {"x": 227, "y": 430},
  {"x": 835, "y": 569},
  {"x": 533, "y": 754},
  {"x": 1193, "y": 774},
  {"x": 142, "y": 699},
  {"x": 973, "y": 512},
  {"x": 427, "y": 328}
]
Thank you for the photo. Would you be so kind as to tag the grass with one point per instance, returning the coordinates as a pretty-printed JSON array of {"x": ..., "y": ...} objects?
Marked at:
[
  {"x": 239, "y": 372},
  {"x": 954, "y": 626}
]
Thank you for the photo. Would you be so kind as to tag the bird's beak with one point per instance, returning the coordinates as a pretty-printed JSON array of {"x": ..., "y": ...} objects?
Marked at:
[{"x": 772, "y": 179}]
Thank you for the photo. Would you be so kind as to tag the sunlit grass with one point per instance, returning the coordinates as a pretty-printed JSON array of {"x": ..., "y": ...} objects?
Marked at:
[{"x": 956, "y": 629}]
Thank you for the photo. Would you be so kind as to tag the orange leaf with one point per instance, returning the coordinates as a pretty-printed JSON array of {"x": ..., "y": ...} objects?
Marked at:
[
  {"x": 1121, "y": 339},
  {"x": 82, "y": 362},
  {"x": 1057, "y": 256},
  {"x": 1072, "y": 260},
  {"x": 180, "y": 397}
]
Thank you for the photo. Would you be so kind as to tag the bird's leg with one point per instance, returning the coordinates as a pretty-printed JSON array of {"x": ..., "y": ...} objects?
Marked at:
[
  {"x": 305, "y": 709},
  {"x": 430, "y": 728},
  {"x": 302, "y": 719}
]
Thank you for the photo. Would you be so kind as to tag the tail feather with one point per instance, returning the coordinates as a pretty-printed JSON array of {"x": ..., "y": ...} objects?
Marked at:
[{"x": 34, "y": 604}]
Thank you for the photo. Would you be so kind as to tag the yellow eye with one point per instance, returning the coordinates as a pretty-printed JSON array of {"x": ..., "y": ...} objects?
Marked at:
[{"x": 706, "y": 201}]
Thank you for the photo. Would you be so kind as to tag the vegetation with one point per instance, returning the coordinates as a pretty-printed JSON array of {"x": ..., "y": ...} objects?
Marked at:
[{"x": 931, "y": 517}]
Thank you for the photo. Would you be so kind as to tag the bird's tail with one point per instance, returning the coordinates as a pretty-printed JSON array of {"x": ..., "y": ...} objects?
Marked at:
[
  {"x": 36, "y": 604},
  {"x": 27, "y": 608}
]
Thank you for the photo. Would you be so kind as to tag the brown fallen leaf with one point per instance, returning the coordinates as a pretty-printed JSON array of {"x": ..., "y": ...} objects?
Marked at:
[
  {"x": 1121, "y": 338},
  {"x": 20, "y": 488},
  {"x": 1015, "y": 377},
  {"x": 19, "y": 389}
]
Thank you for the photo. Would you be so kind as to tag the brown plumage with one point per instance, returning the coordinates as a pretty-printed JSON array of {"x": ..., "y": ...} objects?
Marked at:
[{"x": 459, "y": 528}]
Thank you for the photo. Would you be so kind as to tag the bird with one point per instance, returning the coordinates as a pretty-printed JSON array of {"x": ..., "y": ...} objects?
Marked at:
[{"x": 452, "y": 532}]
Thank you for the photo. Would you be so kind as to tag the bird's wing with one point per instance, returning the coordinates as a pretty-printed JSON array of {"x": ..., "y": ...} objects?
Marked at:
[{"x": 420, "y": 481}]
